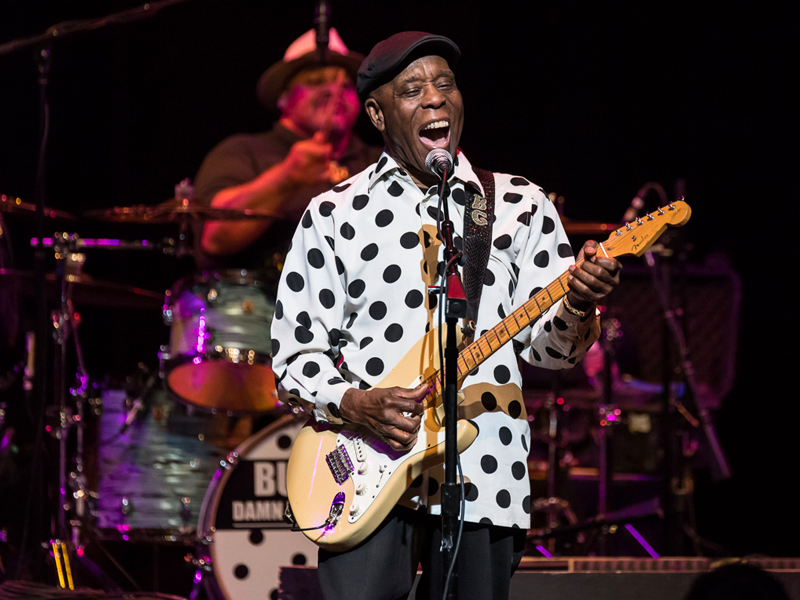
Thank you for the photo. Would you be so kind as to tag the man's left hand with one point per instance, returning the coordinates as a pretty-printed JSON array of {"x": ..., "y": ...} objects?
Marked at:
[{"x": 593, "y": 280}]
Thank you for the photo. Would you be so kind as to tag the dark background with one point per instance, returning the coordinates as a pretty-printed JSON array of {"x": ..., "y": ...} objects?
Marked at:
[{"x": 589, "y": 100}]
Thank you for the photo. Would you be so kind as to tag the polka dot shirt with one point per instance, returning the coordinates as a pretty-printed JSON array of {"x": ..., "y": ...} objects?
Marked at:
[{"x": 353, "y": 299}]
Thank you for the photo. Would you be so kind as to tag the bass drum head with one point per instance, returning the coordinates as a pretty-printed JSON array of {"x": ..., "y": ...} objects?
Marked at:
[{"x": 241, "y": 522}]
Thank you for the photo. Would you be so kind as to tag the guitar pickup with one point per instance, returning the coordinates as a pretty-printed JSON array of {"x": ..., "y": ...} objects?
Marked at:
[{"x": 340, "y": 464}]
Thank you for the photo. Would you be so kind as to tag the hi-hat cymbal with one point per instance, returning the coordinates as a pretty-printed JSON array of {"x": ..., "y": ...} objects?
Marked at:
[
  {"x": 86, "y": 290},
  {"x": 15, "y": 205},
  {"x": 172, "y": 212}
]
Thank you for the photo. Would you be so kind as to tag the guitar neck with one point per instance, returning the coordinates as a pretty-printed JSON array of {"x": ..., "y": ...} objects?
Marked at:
[
  {"x": 471, "y": 357},
  {"x": 498, "y": 336},
  {"x": 633, "y": 238}
]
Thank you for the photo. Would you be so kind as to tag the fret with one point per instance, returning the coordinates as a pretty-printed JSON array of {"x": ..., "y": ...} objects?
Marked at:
[
  {"x": 524, "y": 309},
  {"x": 565, "y": 289},
  {"x": 469, "y": 349},
  {"x": 514, "y": 316}
]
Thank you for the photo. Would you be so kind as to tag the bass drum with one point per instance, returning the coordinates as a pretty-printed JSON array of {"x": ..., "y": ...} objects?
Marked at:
[
  {"x": 241, "y": 527},
  {"x": 220, "y": 343}
]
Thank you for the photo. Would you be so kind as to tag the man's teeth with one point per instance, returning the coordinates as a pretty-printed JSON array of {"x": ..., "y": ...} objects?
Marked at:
[{"x": 437, "y": 125}]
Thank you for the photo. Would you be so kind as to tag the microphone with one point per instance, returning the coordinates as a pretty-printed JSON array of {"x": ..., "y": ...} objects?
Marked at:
[
  {"x": 636, "y": 204},
  {"x": 439, "y": 161}
]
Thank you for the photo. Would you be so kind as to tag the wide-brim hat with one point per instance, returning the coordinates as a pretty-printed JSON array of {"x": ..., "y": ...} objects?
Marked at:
[{"x": 300, "y": 55}]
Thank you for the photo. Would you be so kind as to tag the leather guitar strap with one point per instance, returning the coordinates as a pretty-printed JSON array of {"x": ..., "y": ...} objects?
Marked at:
[{"x": 478, "y": 219}]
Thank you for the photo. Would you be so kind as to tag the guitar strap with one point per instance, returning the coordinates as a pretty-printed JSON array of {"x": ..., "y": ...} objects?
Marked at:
[{"x": 478, "y": 220}]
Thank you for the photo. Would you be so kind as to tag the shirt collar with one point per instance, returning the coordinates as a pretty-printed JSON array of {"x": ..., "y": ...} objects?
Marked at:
[{"x": 387, "y": 167}]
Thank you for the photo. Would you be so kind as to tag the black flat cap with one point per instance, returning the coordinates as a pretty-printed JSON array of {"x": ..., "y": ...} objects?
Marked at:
[{"x": 392, "y": 55}]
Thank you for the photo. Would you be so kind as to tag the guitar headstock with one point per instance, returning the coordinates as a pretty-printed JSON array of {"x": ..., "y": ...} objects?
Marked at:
[{"x": 637, "y": 236}]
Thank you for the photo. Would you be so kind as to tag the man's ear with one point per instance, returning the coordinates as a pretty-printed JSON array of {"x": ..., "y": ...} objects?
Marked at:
[
  {"x": 281, "y": 103},
  {"x": 375, "y": 113}
]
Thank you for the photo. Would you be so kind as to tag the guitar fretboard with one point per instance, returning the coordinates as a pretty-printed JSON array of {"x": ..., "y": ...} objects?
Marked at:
[{"x": 471, "y": 357}]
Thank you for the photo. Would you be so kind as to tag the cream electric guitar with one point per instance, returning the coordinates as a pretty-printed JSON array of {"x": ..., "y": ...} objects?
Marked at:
[{"x": 343, "y": 480}]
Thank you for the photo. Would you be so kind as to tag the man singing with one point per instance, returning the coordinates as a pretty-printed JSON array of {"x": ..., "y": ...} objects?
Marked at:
[{"x": 354, "y": 298}]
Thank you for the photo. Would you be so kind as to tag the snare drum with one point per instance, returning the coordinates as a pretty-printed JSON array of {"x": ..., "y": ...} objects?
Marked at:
[
  {"x": 220, "y": 343},
  {"x": 241, "y": 526}
]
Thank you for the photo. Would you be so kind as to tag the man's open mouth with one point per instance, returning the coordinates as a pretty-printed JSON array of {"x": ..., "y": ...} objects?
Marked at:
[{"x": 436, "y": 134}]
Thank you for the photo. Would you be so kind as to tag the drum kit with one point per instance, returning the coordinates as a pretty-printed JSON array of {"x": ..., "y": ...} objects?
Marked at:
[{"x": 142, "y": 460}]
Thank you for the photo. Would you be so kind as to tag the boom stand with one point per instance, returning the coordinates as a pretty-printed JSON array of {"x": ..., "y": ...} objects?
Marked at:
[{"x": 455, "y": 308}]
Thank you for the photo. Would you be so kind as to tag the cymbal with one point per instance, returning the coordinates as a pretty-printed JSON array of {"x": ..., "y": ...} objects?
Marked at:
[
  {"x": 15, "y": 205},
  {"x": 171, "y": 212},
  {"x": 588, "y": 227},
  {"x": 87, "y": 291}
]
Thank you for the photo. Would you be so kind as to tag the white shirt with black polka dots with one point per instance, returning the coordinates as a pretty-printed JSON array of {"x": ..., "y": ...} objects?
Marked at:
[{"x": 353, "y": 299}]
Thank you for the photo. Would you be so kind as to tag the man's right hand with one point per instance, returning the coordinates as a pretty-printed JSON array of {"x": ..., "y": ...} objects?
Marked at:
[
  {"x": 308, "y": 161},
  {"x": 381, "y": 409}
]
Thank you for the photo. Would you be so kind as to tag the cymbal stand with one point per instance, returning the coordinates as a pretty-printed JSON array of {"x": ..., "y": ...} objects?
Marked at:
[
  {"x": 552, "y": 505},
  {"x": 65, "y": 325},
  {"x": 184, "y": 195},
  {"x": 608, "y": 415}
]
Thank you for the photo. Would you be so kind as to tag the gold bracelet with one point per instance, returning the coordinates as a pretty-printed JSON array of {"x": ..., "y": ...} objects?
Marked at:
[{"x": 575, "y": 311}]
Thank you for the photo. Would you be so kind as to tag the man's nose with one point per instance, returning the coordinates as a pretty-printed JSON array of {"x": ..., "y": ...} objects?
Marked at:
[{"x": 432, "y": 97}]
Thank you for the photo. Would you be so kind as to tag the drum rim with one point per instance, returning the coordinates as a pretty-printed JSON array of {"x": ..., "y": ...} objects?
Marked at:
[
  {"x": 254, "y": 277},
  {"x": 170, "y": 364},
  {"x": 169, "y": 536},
  {"x": 223, "y": 473},
  {"x": 260, "y": 358}
]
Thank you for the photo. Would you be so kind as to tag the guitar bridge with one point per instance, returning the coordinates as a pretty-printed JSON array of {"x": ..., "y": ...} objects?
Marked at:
[{"x": 340, "y": 464}]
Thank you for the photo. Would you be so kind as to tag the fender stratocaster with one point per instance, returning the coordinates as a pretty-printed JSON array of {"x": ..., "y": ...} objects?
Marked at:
[{"x": 343, "y": 480}]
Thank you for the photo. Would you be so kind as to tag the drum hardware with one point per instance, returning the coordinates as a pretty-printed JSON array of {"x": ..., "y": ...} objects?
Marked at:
[
  {"x": 83, "y": 289},
  {"x": 10, "y": 204},
  {"x": 169, "y": 212},
  {"x": 607, "y": 414},
  {"x": 218, "y": 358},
  {"x": 64, "y": 320}
]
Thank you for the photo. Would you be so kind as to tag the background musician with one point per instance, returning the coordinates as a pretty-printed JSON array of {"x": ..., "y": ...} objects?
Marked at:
[{"x": 310, "y": 148}]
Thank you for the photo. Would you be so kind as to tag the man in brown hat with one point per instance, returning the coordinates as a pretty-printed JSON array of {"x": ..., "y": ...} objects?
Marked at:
[{"x": 310, "y": 148}]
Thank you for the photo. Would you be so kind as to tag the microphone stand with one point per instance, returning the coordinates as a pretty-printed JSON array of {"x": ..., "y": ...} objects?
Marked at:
[{"x": 455, "y": 309}]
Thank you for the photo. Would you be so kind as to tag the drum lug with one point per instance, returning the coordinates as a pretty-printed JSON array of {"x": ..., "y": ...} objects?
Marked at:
[
  {"x": 230, "y": 461},
  {"x": 203, "y": 563},
  {"x": 125, "y": 506}
]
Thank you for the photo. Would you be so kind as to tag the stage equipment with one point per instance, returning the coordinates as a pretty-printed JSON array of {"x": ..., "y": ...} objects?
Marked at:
[{"x": 219, "y": 353}]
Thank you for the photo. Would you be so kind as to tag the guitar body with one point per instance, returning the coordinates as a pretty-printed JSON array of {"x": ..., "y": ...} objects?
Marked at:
[{"x": 348, "y": 469}]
